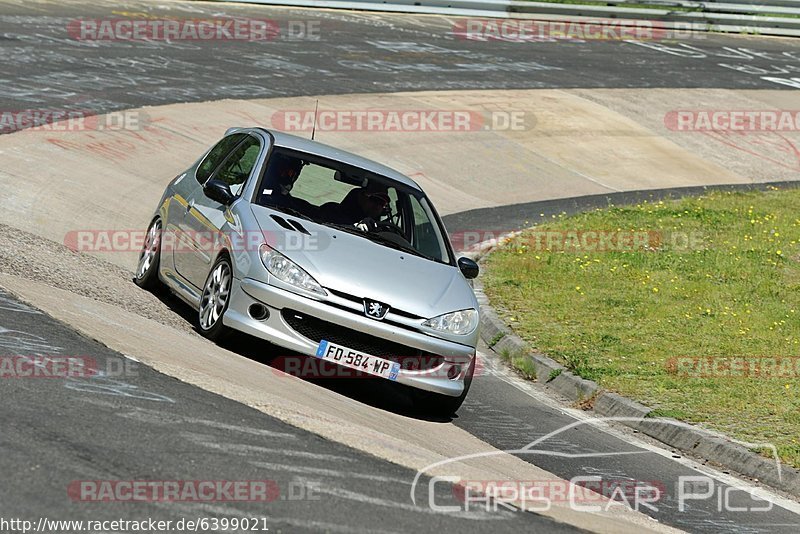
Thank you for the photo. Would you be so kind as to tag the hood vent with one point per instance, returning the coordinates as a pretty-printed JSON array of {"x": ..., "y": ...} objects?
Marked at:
[
  {"x": 290, "y": 224},
  {"x": 282, "y": 222},
  {"x": 299, "y": 227}
]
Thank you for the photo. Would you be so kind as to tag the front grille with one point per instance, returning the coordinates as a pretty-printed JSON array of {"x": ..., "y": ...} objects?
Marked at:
[
  {"x": 360, "y": 301},
  {"x": 316, "y": 330}
]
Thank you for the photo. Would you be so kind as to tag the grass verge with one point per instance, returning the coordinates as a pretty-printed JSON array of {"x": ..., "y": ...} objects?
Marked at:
[{"x": 675, "y": 321}]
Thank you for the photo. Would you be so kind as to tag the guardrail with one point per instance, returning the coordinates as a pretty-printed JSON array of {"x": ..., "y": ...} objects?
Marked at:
[
  {"x": 777, "y": 17},
  {"x": 795, "y": 3},
  {"x": 789, "y": 7}
]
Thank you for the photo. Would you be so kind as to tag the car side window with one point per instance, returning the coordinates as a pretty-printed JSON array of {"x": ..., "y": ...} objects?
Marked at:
[
  {"x": 425, "y": 238},
  {"x": 235, "y": 170},
  {"x": 216, "y": 156},
  {"x": 397, "y": 209}
]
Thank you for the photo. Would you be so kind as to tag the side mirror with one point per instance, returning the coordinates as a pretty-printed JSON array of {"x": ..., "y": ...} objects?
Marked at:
[
  {"x": 219, "y": 191},
  {"x": 468, "y": 268}
]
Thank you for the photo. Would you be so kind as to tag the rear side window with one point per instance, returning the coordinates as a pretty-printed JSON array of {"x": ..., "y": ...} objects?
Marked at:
[{"x": 216, "y": 156}]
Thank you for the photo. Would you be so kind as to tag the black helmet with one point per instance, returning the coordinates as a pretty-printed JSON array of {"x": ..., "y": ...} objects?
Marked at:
[{"x": 285, "y": 171}]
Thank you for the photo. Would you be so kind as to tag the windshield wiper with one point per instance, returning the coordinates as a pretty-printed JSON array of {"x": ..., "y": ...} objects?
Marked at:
[
  {"x": 349, "y": 228},
  {"x": 396, "y": 245},
  {"x": 375, "y": 238},
  {"x": 289, "y": 211}
]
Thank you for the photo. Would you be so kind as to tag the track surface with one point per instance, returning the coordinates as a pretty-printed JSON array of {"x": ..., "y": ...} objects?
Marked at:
[
  {"x": 518, "y": 216},
  {"x": 143, "y": 425},
  {"x": 509, "y": 414},
  {"x": 43, "y": 67},
  {"x": 154, "y": 426}
]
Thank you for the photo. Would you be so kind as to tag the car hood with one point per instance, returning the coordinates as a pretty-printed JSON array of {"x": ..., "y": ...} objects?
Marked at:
[{"x": 362, "y": 268}]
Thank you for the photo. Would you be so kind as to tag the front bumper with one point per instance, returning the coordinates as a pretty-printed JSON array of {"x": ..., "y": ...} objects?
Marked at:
[{"x": 276, "y": 330}]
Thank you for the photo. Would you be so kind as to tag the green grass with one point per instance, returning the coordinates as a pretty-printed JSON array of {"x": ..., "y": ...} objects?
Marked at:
[
  {"x": 522, "y": 364},
  {"x": 619, "y": 317},
  {"x": 496, "y": 339}
]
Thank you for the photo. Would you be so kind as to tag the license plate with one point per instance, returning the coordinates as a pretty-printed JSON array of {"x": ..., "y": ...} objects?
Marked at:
[{"x": 357, "y": 360}]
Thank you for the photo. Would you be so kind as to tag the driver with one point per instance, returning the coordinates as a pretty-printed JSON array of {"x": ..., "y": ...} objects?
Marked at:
[
  {"x": 368, "y": 202},
  {"x": 282, "y": 173}
]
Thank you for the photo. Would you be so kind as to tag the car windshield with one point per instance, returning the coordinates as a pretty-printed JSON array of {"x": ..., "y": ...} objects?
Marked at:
[{"x": 354, "y": 200}]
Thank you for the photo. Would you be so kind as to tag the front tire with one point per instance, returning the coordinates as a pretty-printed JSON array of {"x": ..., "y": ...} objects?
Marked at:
[
  {"x": 146, "y": 275},
  {"x": 215, "y": 300}
]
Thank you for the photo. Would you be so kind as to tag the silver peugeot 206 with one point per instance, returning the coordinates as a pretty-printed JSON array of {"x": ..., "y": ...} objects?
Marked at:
[{"x": 323, "y": 253}]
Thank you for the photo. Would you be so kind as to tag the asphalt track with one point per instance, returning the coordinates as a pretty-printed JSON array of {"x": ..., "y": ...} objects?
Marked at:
[
  {"x": 43, "y": 67},
  {"x": 513, "y": 217},
  {"x": 137, "y": 424},
  {"x": 152, "y": 426}
]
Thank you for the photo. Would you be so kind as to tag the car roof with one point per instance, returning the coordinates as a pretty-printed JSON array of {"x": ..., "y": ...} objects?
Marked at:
[{"x": 300, "y": 144}]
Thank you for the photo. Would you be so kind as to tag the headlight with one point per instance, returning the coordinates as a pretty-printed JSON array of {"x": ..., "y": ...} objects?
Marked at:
[
  {"x": 288, "y": 271},
  {"x": 461, "y": 322}
]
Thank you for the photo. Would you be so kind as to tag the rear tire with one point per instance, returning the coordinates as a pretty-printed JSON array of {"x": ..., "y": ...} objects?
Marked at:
[
  {"x": 146, "y": 275},
  {"x": 215, "y": 300},
  {"x": 443, "y": 406}
]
